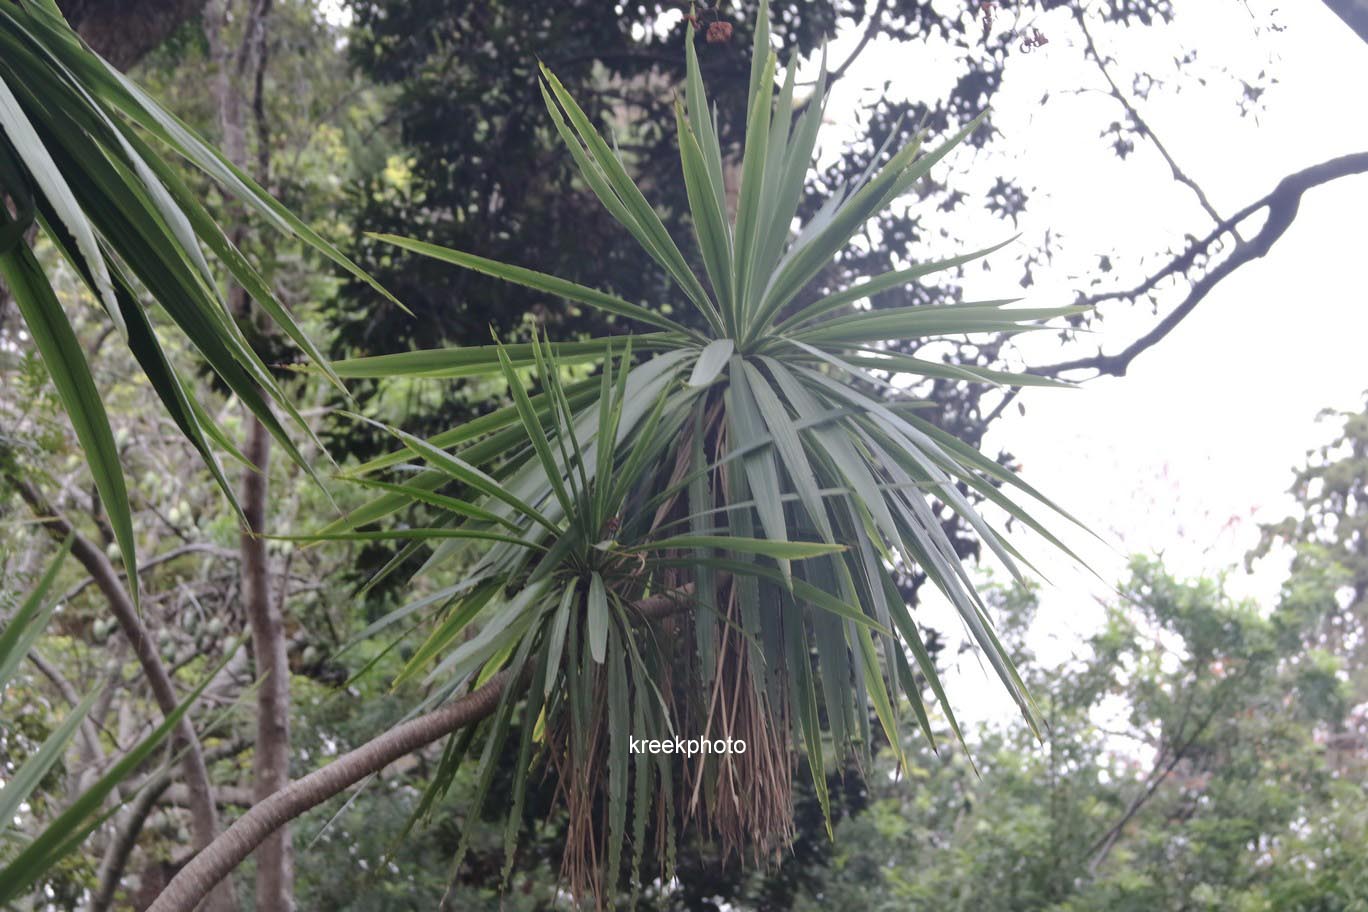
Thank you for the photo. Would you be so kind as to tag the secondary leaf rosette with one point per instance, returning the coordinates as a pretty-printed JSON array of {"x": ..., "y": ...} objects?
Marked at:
[{"x": 703, "y": 539}]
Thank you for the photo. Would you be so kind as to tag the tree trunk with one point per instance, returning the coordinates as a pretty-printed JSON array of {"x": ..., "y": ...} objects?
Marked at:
[
  {"x": 271, "y": 760},
  {"x": 125, "y": 31},
  {"x": 203, "y": 813}
]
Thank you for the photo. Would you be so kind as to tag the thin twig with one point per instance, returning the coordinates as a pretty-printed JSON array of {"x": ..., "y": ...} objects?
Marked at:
[
  {"x": 1282, "y": 205},
  {"x": 1141, "y": 124},
  {"x": 148, "y": 563}
]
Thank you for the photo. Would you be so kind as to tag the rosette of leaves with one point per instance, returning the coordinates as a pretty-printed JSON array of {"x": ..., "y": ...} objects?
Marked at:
[
  {"x": 82, "y": 158},
  {"x": 760, "y": 475}
]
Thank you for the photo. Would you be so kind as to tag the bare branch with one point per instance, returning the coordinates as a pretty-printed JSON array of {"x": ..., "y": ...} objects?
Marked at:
[
  {"x": 90, "y": 736},
  {"x": 148, "y": 563},
  {"x": 1140, "y": 123},
  {"x": 1354, "y": 13},
  {"x": 116, "y": 856},
  {"x": 871, "y": 28},
  {"x": 1282, "y": 205},
  {"x": 149, "y": 791}
]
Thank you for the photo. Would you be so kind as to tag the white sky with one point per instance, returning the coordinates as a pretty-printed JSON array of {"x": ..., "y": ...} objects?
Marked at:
[{"x": 1195, "y": 446}]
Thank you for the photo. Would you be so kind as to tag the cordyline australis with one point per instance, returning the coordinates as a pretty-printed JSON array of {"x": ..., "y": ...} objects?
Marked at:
[{"x": 748, "y": 446}]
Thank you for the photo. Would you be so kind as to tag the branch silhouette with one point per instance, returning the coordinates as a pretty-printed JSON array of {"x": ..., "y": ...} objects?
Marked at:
[{"x": 1282, "y": 204}]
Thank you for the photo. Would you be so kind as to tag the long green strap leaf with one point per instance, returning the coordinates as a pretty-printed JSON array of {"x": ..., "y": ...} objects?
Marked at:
[
  {"x": 66, "y": 364},
  {"x": 709, "y": 218},
  {"x": 45, "y": 173},
  {"x": 537, "y": 280},
  {"x": 27, "y": 624},
  {"x": 647, "y": 223},
  {"x": 881, "y": 283},
  {"x": 779, "y": 550}
]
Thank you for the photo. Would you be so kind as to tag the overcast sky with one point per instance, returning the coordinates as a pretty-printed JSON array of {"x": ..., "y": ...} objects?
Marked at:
[{"x": 1195, "y": 446}]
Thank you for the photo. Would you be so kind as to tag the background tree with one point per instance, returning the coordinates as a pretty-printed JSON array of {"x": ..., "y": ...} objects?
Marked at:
[
  {"x": 326, "y": 121},
  {"x": 87, "y": 138},
  {"x": 479, "y": 173},
  {"x": 1331, "y": 524},
  {"x": 1190, "y": 764}
]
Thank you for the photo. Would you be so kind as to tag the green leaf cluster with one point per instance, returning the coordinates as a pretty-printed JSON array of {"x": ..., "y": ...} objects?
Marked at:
[
  {"x": 82, "y": 158},
  {"x": 34, "y": 856},
  {"x": 762, "y": 462}
]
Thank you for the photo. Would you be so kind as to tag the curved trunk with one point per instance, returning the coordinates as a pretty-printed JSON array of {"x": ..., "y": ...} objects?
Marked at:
[
  {"x": 197, "y": 878},
  {"x": 203, "y": 814}
]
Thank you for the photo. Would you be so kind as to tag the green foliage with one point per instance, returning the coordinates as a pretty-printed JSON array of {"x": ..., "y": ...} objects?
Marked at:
[
  {"x": 1188, "y": 764},
  {"x": 31, "y": 859},
  {"x": 483, "y": 170},
  {"x": 75, "y": 159},
  {"x": 1331, "y": 525},
  {"x": 802, "y": 480},
  {"x": 728, "y": 473}
]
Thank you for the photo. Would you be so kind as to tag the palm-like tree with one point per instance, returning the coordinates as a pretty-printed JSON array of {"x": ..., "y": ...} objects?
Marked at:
[
  {"x": 701, "y": 540},
  {"x": 754, "y": 466}
]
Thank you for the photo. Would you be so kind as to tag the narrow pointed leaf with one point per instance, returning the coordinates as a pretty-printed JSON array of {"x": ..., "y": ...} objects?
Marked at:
[
  {"x": 598, "y": 618},
  {"x": 66, "y": 364},
  {"x": 27, "y": 624},
  {"x": 711, "y": 361},
  {"x": 536, "y": 280}
]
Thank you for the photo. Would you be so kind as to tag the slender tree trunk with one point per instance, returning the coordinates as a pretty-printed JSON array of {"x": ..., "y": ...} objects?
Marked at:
[
  {"x": 120, "y": 848},
  {"x": 147, "y": 793},
  {"x": 271, "y": 760}
]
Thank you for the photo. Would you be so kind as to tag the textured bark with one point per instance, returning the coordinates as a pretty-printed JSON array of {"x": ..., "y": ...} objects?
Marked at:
[
  {"x": 252, "y": 828},
  {"x": 125, "y": 31},
  {"x": 271, "y": 760},
  {"x": 269, "y": 816},
  {"x": 120, "y": 848},
  {"x": 148, "y": 793},
  {"x": 204, "y": 816}
]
